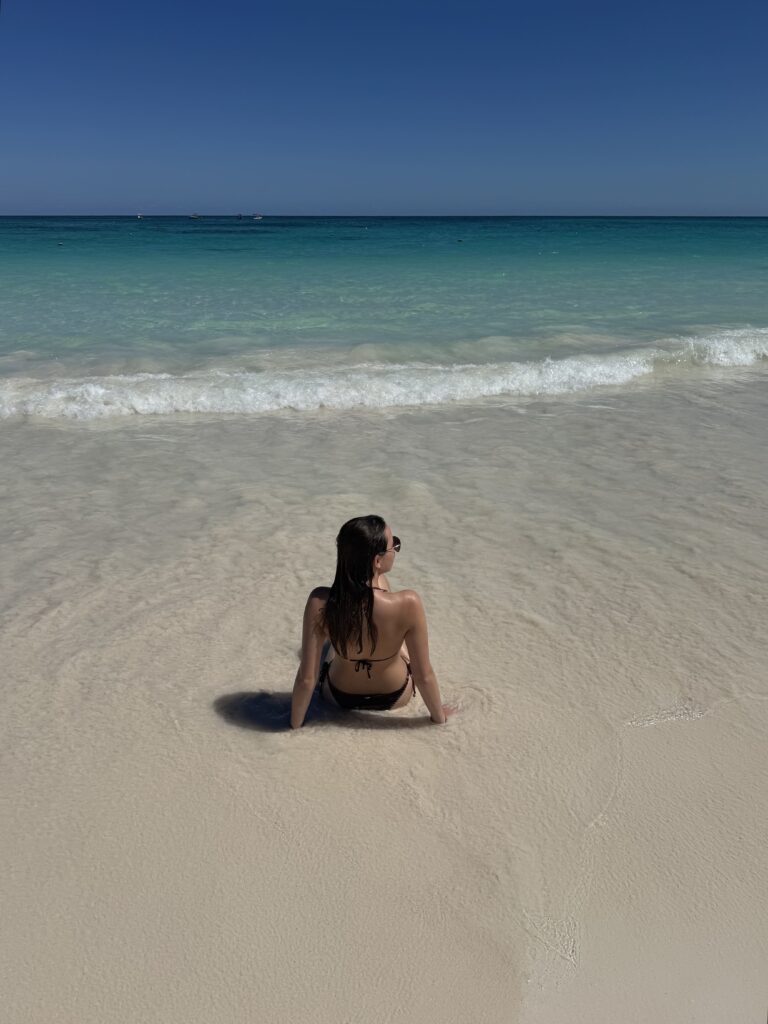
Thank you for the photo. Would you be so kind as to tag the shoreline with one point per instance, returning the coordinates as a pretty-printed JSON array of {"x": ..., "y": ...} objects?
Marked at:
[{"x": 218, "y": 393}]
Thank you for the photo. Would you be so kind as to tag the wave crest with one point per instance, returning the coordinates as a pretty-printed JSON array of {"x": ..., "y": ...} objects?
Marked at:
[{"x": 371, "y": 385}]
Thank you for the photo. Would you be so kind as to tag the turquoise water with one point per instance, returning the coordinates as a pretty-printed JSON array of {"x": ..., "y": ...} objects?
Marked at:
[{"x": 174, "y": 314}]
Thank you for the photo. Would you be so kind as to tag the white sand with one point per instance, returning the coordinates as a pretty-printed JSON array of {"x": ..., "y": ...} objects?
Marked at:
[{"x": 584, "y": 842}]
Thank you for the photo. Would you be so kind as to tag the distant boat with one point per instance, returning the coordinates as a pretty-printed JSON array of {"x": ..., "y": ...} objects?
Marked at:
[
  {"x": 194, "y": 216},
  {"x": 257, "y": 216},
  {"x": 139, "y": 216}
]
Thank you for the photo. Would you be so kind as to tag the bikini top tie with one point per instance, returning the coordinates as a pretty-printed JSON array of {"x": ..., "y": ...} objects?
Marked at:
[{"x": 367, "y": 663}]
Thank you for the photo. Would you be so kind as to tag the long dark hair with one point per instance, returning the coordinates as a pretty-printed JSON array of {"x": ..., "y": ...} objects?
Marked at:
[{"x": 348, "y": 611}]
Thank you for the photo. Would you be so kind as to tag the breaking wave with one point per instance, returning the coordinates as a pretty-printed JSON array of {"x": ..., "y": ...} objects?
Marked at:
[{"x": 369, "y": 385}]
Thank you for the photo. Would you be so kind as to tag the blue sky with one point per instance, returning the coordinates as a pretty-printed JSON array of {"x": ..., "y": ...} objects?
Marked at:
[{"x": 387, "y": 108}]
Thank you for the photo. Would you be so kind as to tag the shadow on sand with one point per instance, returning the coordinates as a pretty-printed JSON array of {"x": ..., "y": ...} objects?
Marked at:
[{"x": 270, "y": 711}]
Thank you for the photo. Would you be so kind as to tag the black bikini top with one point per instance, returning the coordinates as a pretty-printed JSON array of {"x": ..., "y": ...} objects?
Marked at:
[{"x": 367, "y": 663}]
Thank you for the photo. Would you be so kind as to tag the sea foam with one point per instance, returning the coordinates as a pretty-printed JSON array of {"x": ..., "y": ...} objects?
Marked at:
[{"x": 371, "y": 385}]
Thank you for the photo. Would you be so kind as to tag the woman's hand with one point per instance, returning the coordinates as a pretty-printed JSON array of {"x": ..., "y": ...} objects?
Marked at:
[{"x": 448, "y": 710}]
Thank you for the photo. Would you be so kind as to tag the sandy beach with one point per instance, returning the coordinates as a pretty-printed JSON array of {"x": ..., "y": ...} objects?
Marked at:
[{"x": 584, "y": 841}]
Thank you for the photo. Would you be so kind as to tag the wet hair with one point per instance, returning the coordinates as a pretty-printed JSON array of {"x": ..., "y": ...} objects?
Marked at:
[{"x": 348, "y": 612}]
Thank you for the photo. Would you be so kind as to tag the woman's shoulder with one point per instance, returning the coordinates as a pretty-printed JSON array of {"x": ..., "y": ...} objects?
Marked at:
[
  {"x": 406, "y": 596},
  {"x": 314, "y": 609},
  {"x": 319, "y": 595},
  {"x": 408, "y": 601}
]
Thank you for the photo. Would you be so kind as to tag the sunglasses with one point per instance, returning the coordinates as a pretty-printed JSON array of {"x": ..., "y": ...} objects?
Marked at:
[{"x": 396, "y": 545}]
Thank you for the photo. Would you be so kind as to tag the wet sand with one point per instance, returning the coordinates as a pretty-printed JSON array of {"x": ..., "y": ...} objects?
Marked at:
[{"x": 584, "y": 841}]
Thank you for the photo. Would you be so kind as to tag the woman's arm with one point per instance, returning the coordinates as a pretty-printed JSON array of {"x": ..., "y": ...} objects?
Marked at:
[
  {"x": 418, "y": 645},
  {"x": 311, "y": 649}
]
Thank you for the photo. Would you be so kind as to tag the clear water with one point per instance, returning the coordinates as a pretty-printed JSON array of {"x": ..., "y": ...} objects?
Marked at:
[{"x": 174, "y": 314}]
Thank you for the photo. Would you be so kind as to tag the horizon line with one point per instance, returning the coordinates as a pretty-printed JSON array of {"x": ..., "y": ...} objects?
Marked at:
[{"x": 411, "y": 216}]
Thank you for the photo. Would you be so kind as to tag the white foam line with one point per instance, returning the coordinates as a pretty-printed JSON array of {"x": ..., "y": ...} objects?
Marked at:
[{"x": 371, "y": 385}]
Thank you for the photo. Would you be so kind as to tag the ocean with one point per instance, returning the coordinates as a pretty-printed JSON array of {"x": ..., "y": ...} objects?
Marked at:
[{"x": 103, "y": 317}]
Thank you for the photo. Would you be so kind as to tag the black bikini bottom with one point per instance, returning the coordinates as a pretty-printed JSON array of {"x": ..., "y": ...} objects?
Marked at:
[{"x": 365, "y": 701}]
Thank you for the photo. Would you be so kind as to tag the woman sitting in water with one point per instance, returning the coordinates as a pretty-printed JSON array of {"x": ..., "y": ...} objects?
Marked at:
[{"x": 368, "y": 627}]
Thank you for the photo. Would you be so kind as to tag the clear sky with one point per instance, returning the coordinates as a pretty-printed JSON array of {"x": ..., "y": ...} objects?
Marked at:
[{"x": 383, "y": 108}]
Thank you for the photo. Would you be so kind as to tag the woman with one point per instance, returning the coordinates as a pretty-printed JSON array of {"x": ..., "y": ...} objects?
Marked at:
[{"x": 368, "y": 627}]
